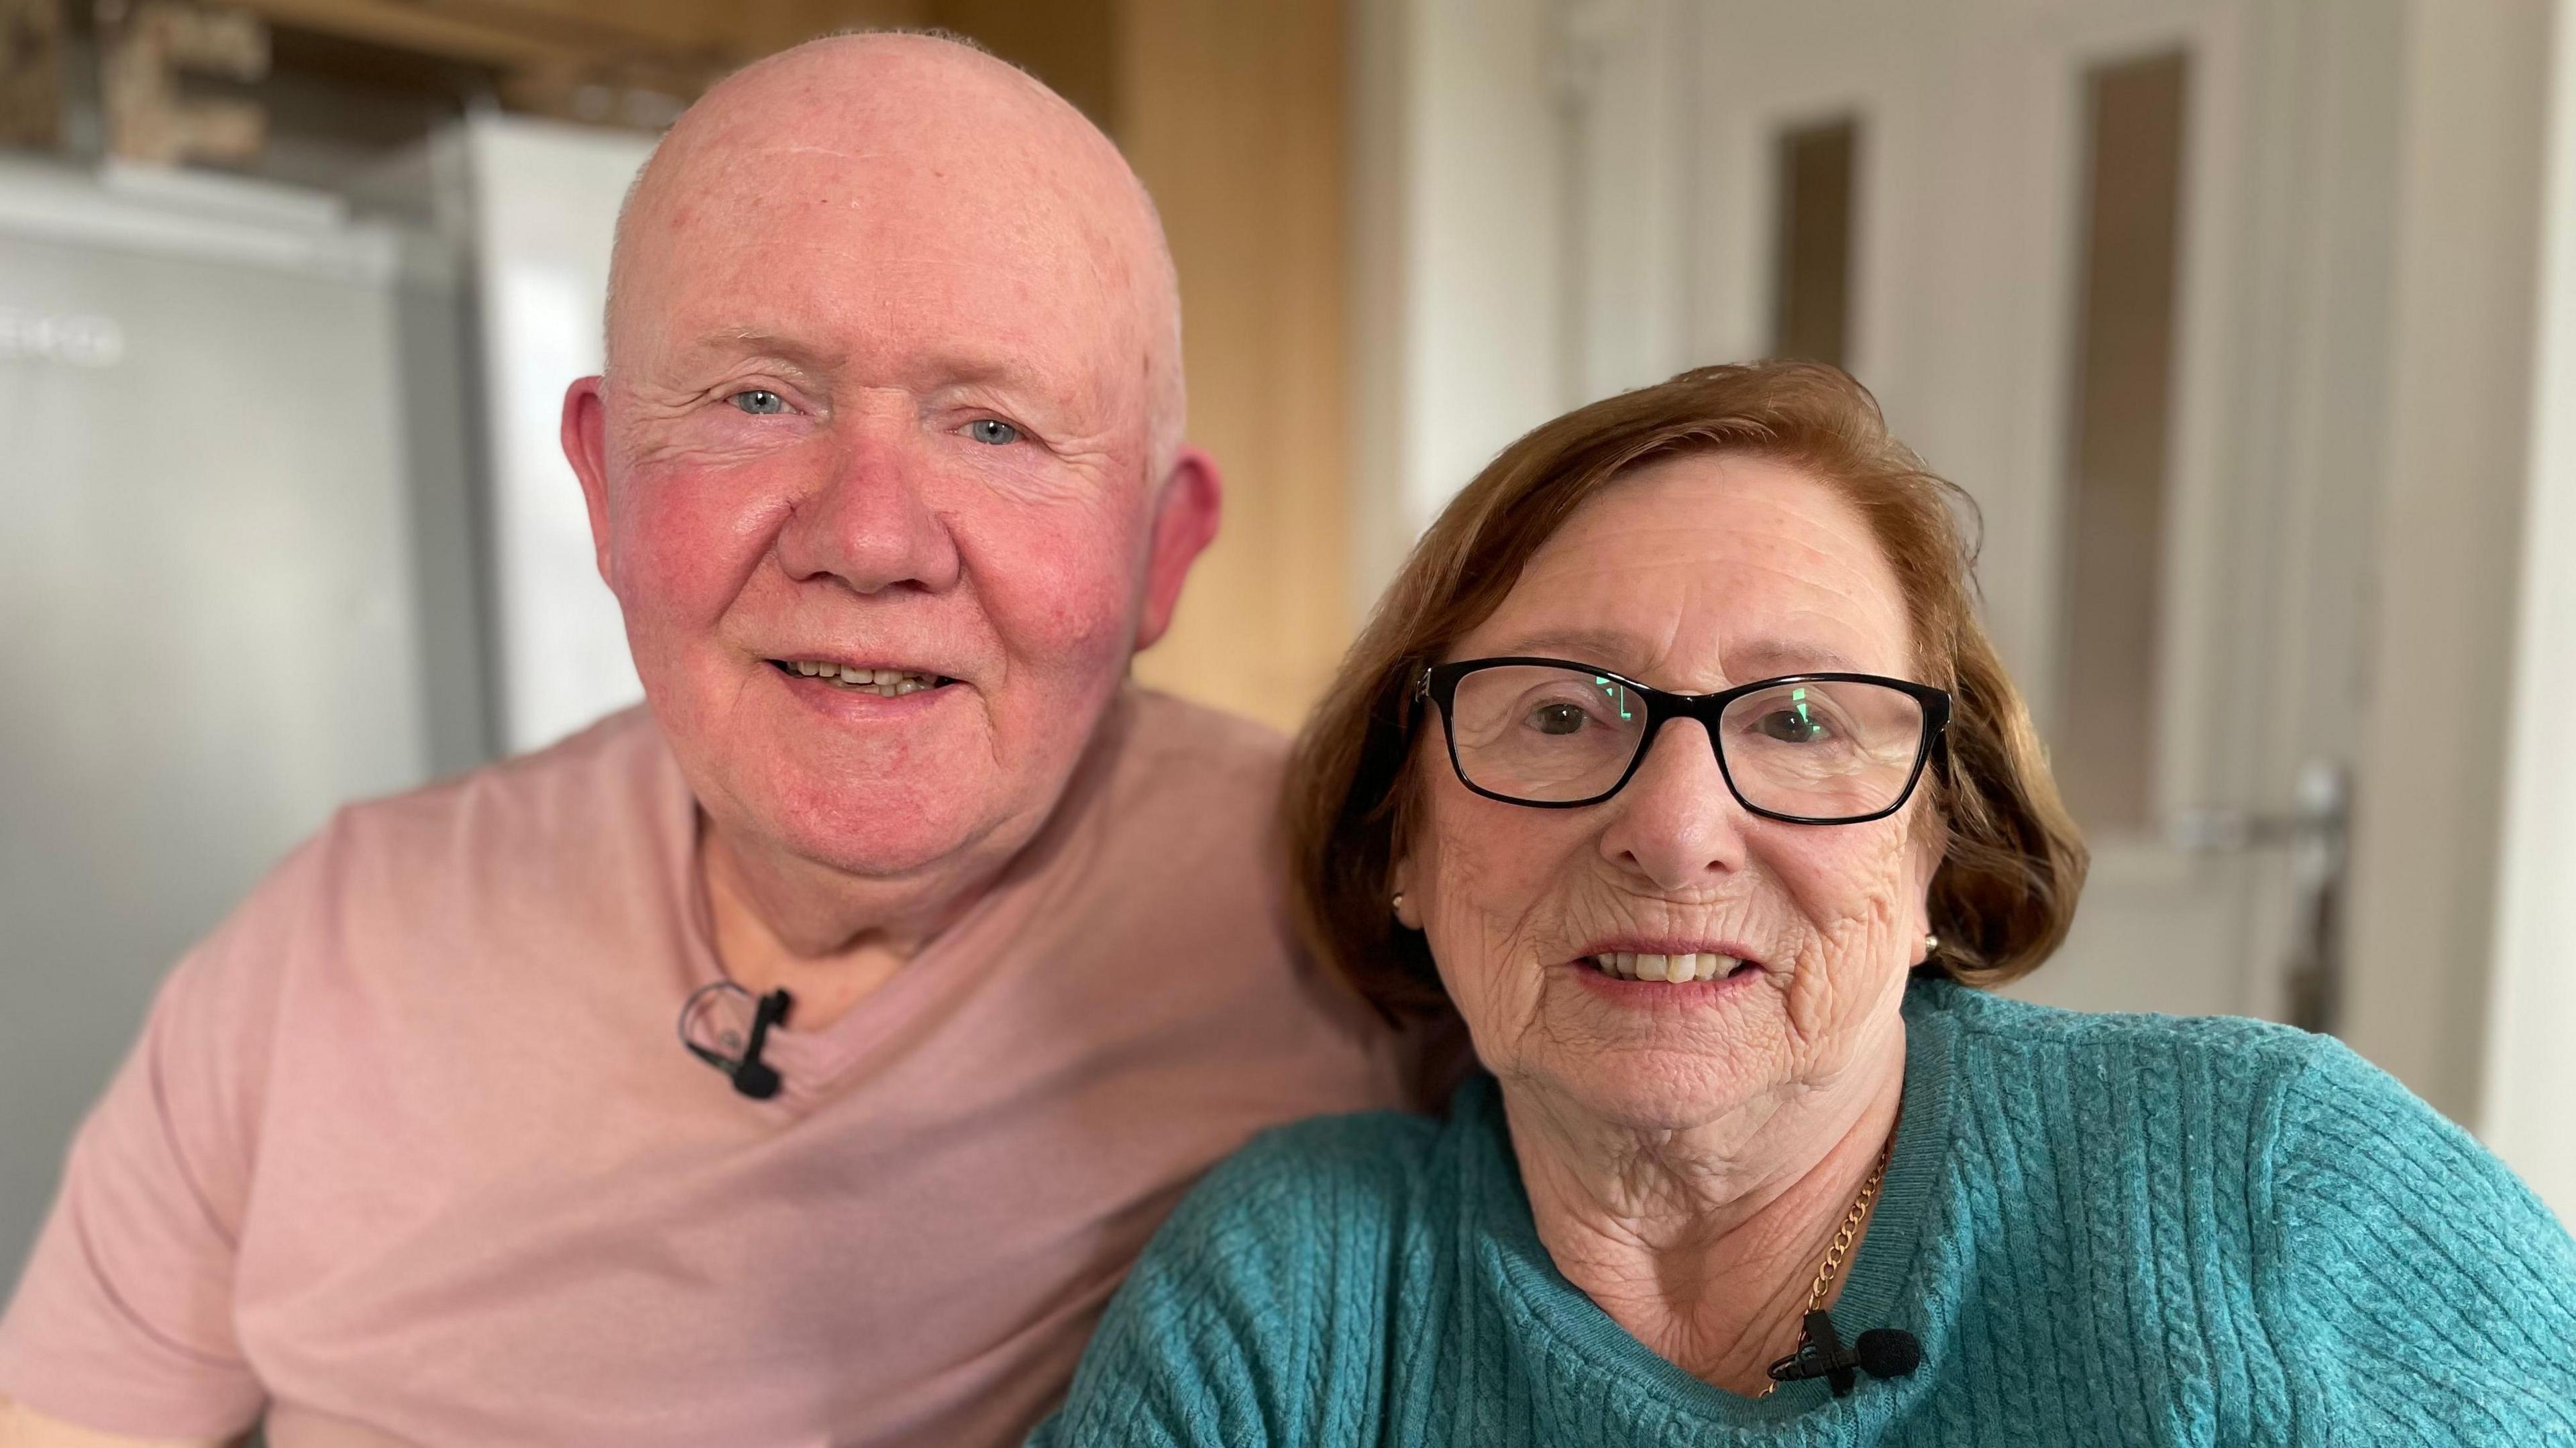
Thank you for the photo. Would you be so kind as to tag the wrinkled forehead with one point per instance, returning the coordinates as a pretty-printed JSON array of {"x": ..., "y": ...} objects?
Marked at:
[
  {"x": 893, "y": 244},
  {"x": 1724, "y": 566}
]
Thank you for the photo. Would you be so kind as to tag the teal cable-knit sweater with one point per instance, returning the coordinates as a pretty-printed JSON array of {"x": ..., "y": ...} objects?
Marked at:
[{"x": 2103, "y": 1230}]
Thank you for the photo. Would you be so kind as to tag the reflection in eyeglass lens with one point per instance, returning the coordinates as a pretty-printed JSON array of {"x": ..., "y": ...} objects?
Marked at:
[{"x": 1821, "y": 749}]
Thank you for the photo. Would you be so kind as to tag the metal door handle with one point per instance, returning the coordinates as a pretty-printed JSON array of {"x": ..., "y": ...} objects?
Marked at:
[{"x": 2316, "y": 830}]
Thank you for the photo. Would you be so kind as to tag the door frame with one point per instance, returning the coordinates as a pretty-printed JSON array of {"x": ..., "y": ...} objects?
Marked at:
[{"x": 2440, "y": 433}]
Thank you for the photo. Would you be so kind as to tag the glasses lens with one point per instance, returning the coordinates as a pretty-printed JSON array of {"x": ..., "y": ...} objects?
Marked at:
[
  {"x": 1822, "y": 751},
  {"x": 1545, "y": 735}
]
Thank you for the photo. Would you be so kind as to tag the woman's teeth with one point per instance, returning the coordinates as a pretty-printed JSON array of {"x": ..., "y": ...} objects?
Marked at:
[
  {"x": 1633, "y": 965},
  {"x": 888, "y": 683}
]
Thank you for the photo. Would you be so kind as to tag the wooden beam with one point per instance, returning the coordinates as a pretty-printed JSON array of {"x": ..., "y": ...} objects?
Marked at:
[
  {"x": 422, "y": 29},
  {"x": 31, "y": 72},
  {"x": 633, "y": 63},
  {"x": 668, "y": 37}
]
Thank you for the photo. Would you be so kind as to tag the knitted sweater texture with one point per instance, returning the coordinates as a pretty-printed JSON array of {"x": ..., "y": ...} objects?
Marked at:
[{"x": 2103, "y": 1229}]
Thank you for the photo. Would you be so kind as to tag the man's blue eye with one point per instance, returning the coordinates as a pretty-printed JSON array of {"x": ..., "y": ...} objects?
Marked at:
[
  {"x": 992, "y": 430},
  {"x": 759, "y": 401}
]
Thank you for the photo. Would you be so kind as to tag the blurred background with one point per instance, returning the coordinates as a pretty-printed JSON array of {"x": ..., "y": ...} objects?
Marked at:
[{"x": 2250, "y": 325}]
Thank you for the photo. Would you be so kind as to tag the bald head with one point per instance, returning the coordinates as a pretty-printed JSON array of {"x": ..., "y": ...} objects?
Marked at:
[
  {"x": 902, "y": 161},
  {"x": 885, "y": 469}
]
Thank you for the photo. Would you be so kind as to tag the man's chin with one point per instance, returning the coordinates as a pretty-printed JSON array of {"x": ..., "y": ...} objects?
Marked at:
[
  {"x": 901, "y": 837},
  {"x": 886, "y": 800},
  {"x": 881, "y": 855}
]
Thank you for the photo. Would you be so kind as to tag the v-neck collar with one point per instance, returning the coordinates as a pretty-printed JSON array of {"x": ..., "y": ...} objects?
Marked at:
[
  {"x": 1882, "y": 1287},
  {"x": 815, "y": 1065}
]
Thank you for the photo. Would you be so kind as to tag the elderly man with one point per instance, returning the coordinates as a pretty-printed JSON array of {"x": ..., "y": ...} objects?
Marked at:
[{"x": 886, "y": 473}]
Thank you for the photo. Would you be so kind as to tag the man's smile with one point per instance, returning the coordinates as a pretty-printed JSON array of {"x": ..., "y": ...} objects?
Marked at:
[{"x": 886, "y": 681}]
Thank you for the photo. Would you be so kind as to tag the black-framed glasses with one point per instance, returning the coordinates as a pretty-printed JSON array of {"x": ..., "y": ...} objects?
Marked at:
[{"x": 1810, "y": 749}]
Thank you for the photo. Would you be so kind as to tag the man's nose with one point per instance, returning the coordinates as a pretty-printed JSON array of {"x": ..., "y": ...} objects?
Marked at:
[
  {"x": 1677, "y": 823},
  {"x": 868, "y": 522}
]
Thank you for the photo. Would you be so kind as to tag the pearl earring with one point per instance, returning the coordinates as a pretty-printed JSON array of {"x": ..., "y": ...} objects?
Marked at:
[
  {"x": 1931, "y": 943},
  {"x": 1399, "y": 902}
]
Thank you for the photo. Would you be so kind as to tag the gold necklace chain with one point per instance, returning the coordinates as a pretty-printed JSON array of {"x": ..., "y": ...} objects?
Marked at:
[{"x": 1832, "y": 1266}]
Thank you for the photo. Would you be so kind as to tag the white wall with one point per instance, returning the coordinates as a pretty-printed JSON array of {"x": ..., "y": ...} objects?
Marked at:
[
  {"x": 2429, "y": 835},
  {"x": 1457, "y": 252},
  {"x": 544, "y": 207},
  {"x": 1482, "y": 245},
  {"x": 2529, "y": 1087}
]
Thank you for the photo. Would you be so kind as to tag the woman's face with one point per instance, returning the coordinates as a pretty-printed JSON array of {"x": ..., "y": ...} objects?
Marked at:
[{"x": 1693, "y": 575}]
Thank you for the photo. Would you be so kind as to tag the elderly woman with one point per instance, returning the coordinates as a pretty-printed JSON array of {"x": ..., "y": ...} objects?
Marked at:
[{"x": 1677, "y": 764}]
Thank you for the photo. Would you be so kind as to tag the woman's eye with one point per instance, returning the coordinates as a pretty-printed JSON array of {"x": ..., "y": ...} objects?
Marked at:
[
  {"x": 992, "y": 430},
  {"x": 1557, "y": 719},
  {"x": 1796, "y": 724},
  {"x": 759, "y": 401}
]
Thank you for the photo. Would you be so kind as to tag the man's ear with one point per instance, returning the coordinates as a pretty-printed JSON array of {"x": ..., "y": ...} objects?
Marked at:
[
  {"x": 585, "y": 445},
  {"x": 1185, "y": 519}
]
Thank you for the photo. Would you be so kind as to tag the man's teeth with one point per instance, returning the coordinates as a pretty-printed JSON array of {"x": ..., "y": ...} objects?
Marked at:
[
  {"x": 890, "y": 683},
  {"x": 1676, "y": 969}
]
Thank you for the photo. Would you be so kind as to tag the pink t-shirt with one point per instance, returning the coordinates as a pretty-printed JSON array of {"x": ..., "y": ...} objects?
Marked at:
[{"x": 410, "y": 1152}]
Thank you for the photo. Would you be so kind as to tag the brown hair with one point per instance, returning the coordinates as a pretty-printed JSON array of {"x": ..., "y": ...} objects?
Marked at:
[{"x": 2012, "y": 863}]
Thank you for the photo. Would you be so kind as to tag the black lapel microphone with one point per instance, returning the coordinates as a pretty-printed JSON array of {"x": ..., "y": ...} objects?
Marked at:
[
  {"x": 738, "y": 1056},
  {"x": 1881, "y": 1352}
]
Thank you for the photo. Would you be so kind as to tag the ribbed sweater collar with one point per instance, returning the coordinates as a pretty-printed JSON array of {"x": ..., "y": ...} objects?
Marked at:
[{"x": 1884, "y": 1286}]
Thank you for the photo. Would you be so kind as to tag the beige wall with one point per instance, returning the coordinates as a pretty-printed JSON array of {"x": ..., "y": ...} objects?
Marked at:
[
  {"x": 1232, "y": 113},
  {"x": 1231, "y": 110}
]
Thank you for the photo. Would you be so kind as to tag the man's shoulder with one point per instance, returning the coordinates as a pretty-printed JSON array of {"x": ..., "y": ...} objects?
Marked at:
[
  {"x": 615, "y": 775},
  {"x": 1168, "y": 728},
  {"x": 591, "y": 816},
  {"x": 1190, "y": 783}
]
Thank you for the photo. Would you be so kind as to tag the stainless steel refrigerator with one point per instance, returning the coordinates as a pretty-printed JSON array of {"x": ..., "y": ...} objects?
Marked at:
[{"x": 236, "y": 585}]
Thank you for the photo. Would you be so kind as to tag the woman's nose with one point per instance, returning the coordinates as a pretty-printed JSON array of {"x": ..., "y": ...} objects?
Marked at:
[
  {"x": 867, "y": 523},
  {"x": 1677, "y": 823}
]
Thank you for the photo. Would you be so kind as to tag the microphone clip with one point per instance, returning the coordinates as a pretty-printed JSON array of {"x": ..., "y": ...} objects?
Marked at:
[
  {"x": 1882, "y": 1352},
  {"x": 735, "y": 1052}
]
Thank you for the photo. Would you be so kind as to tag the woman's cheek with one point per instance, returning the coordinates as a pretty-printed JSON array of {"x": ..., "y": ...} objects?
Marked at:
[
  {"x": 1495, "y": 882},
  {"x": 1842, "y": 875}
]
